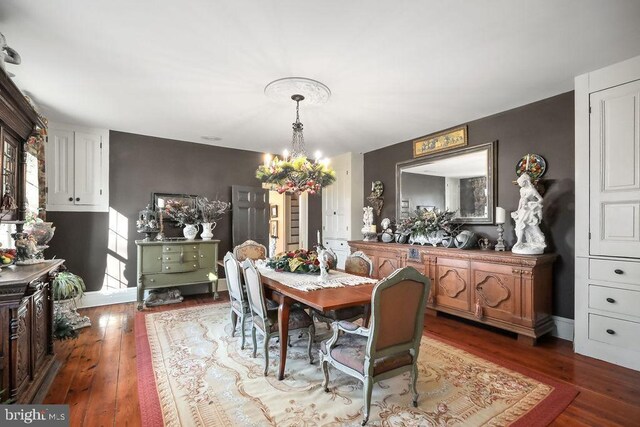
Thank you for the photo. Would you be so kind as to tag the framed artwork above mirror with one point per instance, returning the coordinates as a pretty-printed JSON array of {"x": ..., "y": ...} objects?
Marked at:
[{"x": 461, "y": 180}]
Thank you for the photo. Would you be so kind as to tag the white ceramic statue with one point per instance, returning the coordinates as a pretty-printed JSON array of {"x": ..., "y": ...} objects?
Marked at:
[
  {"x": 324, "y": 257},
  {"x": 7, "y": 55},
  {"x": 273, "y": 243},
  {"x": 367, "y": 219},
  {"x": 530, "y": 240}
]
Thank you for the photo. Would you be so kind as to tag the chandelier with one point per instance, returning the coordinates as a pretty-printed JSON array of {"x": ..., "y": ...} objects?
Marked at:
[{"x": 294, "y": 173}]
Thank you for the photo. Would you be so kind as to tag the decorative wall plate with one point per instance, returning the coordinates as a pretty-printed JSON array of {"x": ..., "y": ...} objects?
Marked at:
[{"x": 534, "y": 164}]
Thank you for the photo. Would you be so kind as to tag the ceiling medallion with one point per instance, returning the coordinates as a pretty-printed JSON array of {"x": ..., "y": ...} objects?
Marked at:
[
  {"x": 294, "y": 173},
  {"x": 313, "y": 91}
]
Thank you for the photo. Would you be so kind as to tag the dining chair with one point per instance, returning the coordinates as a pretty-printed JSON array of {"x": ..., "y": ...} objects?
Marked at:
[
  {"x": 239, "y": 306},
  {"x": 250, "y": 250},
  {"x": 266, "y": 321},
  {"x": 359, "y": 264},
  {"x": 391, "y": 345}
]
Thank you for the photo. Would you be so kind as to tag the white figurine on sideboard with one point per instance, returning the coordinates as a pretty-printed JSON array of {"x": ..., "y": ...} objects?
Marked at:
[{"x": 530, "y": 240}]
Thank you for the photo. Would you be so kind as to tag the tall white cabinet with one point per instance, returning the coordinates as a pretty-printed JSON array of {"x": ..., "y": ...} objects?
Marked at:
[
  {"x": 607, "y": 275},
  {"x": 342, "y": 204},
  {"x": 77, "y": 165}
]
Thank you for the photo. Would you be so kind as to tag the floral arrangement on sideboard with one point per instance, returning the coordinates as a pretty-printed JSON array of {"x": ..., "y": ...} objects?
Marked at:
[
  {"x": 183, "y": 213},
  {"x": 211, "y": 211},
  {"x": 426, "y": 226}
]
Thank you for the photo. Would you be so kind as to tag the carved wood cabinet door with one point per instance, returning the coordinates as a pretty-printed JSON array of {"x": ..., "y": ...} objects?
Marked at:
[
  {"x": 497, "y": 291},
  {"x": 452, "y": 277},
  {"x": 20, "y": 351},
  {"x": 39, "y": 328},
  {"x": 384, "y": 264}
]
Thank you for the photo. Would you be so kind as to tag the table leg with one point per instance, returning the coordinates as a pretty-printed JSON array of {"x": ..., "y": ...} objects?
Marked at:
[
  {"x": 367, "y": 315},
  {"x": 283, "y": 328}
]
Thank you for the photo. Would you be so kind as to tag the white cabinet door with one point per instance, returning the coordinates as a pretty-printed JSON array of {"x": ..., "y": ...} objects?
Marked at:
[
  {"x": 59, "y": 155},
  {"x": 88, "y": 169},
  {"x": 615, "y": 171},
  {"x": 329, "y": 196},
  {"x": 343, "y": 202}
]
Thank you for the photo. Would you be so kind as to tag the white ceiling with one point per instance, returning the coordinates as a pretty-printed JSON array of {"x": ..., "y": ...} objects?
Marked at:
[{"x": 397, "y": 69}]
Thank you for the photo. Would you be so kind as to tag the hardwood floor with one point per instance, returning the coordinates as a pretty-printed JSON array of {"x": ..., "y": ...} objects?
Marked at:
[{"x": 97, "y": 378}]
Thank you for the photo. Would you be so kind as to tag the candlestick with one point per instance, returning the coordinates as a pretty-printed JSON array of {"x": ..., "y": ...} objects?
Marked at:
[
  {"x": 161, "y": 203},
  {"x": 319, "y": 244},
  {"x": 526, "y": 169},
  {"x": 160, "y": 235},
  {"x": 500, "y": 245},
  {"x": 500, "y": 215}
]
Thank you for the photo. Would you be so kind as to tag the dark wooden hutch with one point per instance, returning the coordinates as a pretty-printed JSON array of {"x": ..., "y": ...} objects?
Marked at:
[{"x": 26, "y": 306}]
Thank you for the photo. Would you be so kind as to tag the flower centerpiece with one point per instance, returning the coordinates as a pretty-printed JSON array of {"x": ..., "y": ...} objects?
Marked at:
[
  {"x": 298, "y": 261},
  {"x": 211, "y": 212},
  {"x": 185, "y": 215},
  {"x": 428, "y": 226}
]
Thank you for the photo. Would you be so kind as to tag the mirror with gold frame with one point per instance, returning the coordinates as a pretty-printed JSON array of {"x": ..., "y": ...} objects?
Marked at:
[{"x": 459, "y": 180}]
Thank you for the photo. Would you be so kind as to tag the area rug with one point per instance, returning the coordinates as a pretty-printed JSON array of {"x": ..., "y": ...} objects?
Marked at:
[{"x": 191, "y": 372}]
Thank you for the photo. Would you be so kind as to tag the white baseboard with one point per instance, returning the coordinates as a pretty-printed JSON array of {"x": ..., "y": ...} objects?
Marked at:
[
  {"x": 121, "y": 296},
  {"x": 563, "y": 328},
  {"x": 97, "y": 298}
]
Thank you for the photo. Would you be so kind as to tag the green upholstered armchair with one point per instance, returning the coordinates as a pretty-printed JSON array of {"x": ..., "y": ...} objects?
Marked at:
[{"x": 391, "y": 345}]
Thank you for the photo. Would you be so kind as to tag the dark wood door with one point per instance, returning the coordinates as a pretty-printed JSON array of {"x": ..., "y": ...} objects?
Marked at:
[{"x": 250, "y": 214}]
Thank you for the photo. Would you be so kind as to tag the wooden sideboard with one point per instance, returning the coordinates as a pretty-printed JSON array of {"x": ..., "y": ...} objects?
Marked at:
[
  {"x": 501, "y": 289},
  {"x": 26, "y": 329},
  {"x": 173, "y": 263}
]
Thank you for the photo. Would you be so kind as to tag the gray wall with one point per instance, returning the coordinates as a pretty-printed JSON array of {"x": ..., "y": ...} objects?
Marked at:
[
  {"x": 545, "y": 127},
  {"x": 140, "y": 165},
  {"x": 422, "y": 190}
]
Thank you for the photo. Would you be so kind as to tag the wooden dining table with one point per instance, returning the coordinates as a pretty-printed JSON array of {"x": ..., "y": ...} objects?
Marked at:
[{"x": 321, "y": 299}]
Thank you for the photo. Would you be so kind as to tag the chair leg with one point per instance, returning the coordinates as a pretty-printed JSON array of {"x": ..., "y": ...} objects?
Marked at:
[
  {"x": 368, "y": 389},
  {"x": 312, "y": 335},
  {"x": 242, "y": 318},
  {"x": 266, "y": 354},
  {"x": 414, "y": 380},
  {"x": 253, "y": 338},
  {"x": 325, "y": 371},
  {"x": 234, "y": 321}
]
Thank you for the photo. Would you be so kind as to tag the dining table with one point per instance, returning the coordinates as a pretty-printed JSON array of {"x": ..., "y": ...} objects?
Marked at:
[{"x": 322, "y": 299}]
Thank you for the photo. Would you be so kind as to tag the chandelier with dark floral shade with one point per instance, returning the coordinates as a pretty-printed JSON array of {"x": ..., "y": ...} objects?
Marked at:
[{"x": 294, "y": 172}]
